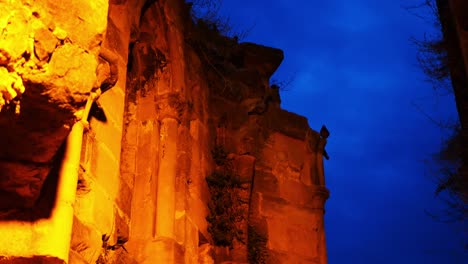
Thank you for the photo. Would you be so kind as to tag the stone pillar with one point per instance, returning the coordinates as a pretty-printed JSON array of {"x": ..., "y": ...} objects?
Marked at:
[
  {"x": 164, "y": 248},
  {"x": 320, "y": 171},
  {"x": 321, "y": 195},
  {"x": 165, "y": 201},
  {"x": 322, "y": 248}
]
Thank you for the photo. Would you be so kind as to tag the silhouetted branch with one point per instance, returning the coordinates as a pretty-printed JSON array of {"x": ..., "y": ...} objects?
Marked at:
[
  {"x": 439, "y": 124},
  {"x": 208, "y": 12},
  {"x": 433, "y": 58},
  {"x": 285, "y": 83}
]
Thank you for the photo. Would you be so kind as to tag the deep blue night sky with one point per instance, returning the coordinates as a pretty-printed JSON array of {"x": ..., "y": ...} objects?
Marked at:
[{"x": 354, "y": 69}]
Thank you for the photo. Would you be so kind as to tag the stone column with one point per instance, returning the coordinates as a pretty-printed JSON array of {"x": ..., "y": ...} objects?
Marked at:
[
  {"x": 320, "y": 171},
  {"x": 164, "y": 248},
  {"x": 321, "y": 196},
  {"x": 165, "y": 201}
]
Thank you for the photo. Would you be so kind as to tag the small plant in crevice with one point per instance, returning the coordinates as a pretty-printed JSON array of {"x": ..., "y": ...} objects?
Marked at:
[
  {"x": 215, "y": 41},
  {"x": 107, "y": 247},
  {"x": 219, "y": 155},
  {"x": 209, "y": 13},
  {"x": 225, "y": 208},
  {"x": 256, "y": 244}
]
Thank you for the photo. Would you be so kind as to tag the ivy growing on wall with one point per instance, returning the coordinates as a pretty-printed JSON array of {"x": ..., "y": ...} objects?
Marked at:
[
  {"x": 225, "y": 211},
  {"x": 256, "y": 244}
]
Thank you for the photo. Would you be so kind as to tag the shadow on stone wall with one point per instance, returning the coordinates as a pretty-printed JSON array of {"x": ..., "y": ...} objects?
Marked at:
[{"x": 12, "y": 204}]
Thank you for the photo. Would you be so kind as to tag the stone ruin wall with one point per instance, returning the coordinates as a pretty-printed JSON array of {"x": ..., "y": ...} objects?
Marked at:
[{"x": 182, "y": 91}]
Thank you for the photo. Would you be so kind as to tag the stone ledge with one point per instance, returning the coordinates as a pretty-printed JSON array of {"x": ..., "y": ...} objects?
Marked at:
[
  {"x": 272, "y": 206},
  {"x": 287, "y": 123},
  {"x": 262, "y": 58},
  {"x": 278, "y": 257},
  {"x": 31, "y": 260}
]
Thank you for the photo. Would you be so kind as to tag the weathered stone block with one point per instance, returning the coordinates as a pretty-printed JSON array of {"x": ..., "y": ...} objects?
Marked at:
[
  {"x": 44, "y": 43},
  {"x": 266, "y": 183},
  {"x": 21, "y": 184},
  {"x": 11, "y": 86},
  {"x": 267, "y": 159},
  {"x": 71, "y": 74},
  {"x": 163, "y": 250},
  {"x": 222, "y": 255},
  {"x": 254, "y": 206},
  {"x": 296, "y": 192},
  {"x": 37, "y": 133},
  {"x": 288, "y": 123},
  {"x": 124, "y": 198},
  {"x": 191, "y": 242},
  {"x": 143, "y": 207},
  {"x": 17, "y": 29},
  {"x": 293, "y": 149},
  {"x": 83, "y": 206},
  {"x": 103, "y": 211},
  {"x": 276, "y": 257},
  {"x": 122, "y": 225},
  {"x": 196, "y": 129},
  {"x": 146, "y": 109},
  {"x": 122, "y": 257},
  {"x": 285, "y": 236},
  {"x": 131, "y": 131},
  {"x": 186, "y": 233},
  {"x": 75, "y": 258},
  {"x": 197, "y": 211},
  {"x": 196, "y": 179},
  {"x": 128, "y": 157},
  {"x": 108, "y": 134},
  {"x": 105, "y": 168},
  {"x": 179, "y": 226},
  {"x": 243, "y": 166},
  {"x": 113, "y": 104},
  {"x": 31, "y": 260},
  {"x": 85, "y": 22},
  {"x": 273, "y": 207},
  {"x": 85, "y": 242},
  {"x": 206, "y": 254},
  {"x": 238, "y": 252},
  {"x": 264, "y": 59},
  {"x": 147, "y": 155},
  {"x": 117, "y": 38},
  {"x": 308, "y": 170}
]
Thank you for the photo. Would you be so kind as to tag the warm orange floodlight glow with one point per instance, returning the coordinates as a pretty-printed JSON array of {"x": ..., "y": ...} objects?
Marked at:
[{"x": 51, "y": 237}]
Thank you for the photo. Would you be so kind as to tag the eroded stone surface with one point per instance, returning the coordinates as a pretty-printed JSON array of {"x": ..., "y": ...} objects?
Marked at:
[
  {"x": 11, "y": 85},
  {"x": 30, "y": 35},
  {"x": 70, "y": 75},
  {"x": 22, "y": 180},
  {"x": 44, "y": 43},
  {"x": 48, "y": 60},
  {"x": 185, "y": 89},
  {"x": 29, "y": 260}
]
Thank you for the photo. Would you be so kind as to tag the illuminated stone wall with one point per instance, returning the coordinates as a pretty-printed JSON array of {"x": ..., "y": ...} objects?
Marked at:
[
  {"x": 48, "y": 60},
  {"x": 182, "y": 91}
]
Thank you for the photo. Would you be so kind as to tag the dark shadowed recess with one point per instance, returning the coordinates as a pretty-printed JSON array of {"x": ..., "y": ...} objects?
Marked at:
[{"x": 35, "y": 259}]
